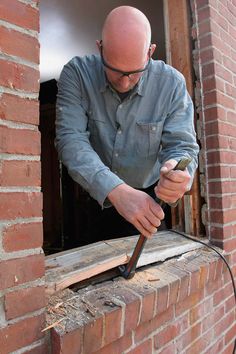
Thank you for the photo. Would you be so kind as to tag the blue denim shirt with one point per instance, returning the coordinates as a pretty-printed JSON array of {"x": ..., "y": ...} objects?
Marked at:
[{"x": 104, "y": 141}]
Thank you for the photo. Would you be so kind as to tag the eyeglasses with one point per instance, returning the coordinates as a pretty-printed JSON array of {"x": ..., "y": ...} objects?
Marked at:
[{"x": 125, "y": 73}]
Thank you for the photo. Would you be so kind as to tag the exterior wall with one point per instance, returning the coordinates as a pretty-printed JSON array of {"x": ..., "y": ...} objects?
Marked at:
[
  {"x": 215, "y": 67},
  {"x": 191, "y": 309},
  {"x": 181, "y": 306},
  {"x": 22, "y": 297}
]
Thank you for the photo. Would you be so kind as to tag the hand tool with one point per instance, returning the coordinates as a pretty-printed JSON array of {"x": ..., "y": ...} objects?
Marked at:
[{"x": 128, "y": 270}]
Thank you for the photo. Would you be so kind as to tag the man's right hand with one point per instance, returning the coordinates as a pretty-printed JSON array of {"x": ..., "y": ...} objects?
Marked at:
[{"x": 138, "y": 208}]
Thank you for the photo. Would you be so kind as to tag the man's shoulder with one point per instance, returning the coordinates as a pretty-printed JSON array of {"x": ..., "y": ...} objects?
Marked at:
[
  {"x": 160, "y": 68},
  {"x": 86, "y": 61}
]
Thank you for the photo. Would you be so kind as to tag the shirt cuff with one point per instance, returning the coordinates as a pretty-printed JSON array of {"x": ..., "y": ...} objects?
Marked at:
[{"x": 104, "y": 183}]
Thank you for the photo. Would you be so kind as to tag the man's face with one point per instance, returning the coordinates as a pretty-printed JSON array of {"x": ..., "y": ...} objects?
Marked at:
[{"x": 123, "y": 77}]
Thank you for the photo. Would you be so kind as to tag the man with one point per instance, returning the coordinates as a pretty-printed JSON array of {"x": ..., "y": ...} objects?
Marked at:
[{"x": 123, "y": 123}]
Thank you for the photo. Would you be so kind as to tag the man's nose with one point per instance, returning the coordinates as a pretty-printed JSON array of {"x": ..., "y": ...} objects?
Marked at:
[{"x": 125, "y": 81}]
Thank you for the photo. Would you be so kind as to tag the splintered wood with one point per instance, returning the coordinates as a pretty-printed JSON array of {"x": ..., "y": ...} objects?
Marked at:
[{"x": 66, "y": 268}]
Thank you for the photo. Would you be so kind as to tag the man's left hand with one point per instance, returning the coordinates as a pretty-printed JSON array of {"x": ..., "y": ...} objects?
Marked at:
[{"x": 173, "y": 183}]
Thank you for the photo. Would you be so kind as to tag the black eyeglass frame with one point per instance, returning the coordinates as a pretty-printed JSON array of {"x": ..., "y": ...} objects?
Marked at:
[{"x": 125, "y": 73}]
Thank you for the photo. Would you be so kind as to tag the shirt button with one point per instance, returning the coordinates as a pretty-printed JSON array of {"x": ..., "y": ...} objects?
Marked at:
[
  {"x": 120, "y": 106},
  {"x": 116, "y": 154},
  {"x": 119, "y": 131},
  {"x": 154, "y": 128}
]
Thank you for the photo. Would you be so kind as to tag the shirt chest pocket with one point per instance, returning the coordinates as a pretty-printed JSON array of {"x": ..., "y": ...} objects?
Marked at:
[{"x": 148, "y": 138}]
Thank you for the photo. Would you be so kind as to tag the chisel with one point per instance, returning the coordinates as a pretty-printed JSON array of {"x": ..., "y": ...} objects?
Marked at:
[{"x": 128, "y": 270}]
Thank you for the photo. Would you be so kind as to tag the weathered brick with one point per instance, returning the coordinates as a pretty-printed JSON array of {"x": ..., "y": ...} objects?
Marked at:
[
  {"x": 21, "y": 270},
  {"x": 20, "y": 173},
  {"x": 19, "y": 141},
  {"x": 20, "y": 14},
  {"x": 117, "y": 347},
  {"x": 145, "y": 347},
  {"x": 93, "y": 333},
  {"x": 19, "y": 76},
  {"x": 20, "y": 205},
  {"x": 21, "y": 334},
  {"x": 39, "y": 349},
  {"x": 19, "y": 109},
  {"x": 146, "y": 328},
  {"x": 19, "y": 44},
  {"x": 66, "y": 343},
  {"x": 23, "y": 301},
  {"x": 22, "y": 236}
]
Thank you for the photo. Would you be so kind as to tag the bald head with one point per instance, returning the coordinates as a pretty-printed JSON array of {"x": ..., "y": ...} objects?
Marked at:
[{"x": 126, "y": 34}]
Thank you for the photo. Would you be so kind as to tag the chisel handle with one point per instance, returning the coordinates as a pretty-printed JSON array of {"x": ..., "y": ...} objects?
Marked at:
[{"x": 128, "y": 270}]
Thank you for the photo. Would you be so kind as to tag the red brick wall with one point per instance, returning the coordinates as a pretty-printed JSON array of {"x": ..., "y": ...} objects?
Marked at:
[
  {"x": 183, "y": 306},
  {"x": 214, "y": 32},
  {"x": 22, "y": 296}
]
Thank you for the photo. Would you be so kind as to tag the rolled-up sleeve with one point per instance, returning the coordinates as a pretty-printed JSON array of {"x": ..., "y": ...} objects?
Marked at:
[
  {"x": 179, "y": 137},
  {"x": 72, "y": 138}
]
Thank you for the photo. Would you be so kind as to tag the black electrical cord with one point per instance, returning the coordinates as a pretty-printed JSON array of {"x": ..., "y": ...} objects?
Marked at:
[{"x": 222, "y": 257}]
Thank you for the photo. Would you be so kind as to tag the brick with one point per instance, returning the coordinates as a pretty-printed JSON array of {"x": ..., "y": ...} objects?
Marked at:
[
  {"x": 188, "y": 302},
  {"x": 145, "y": 347},
  {"x": 145, "y": 329},
  {"x": 132, "y": 308},
  {"x": 19, "y": 76},
  {"x": 218, "y": 171},
  {"x": 197, "y": 312},
  {"x": 229, "y": 304},
  {"x": 20, "y": 14},
  {"x": 100, "y": 299},
  {"x": 229, "y": 245},
  {"x": 23, "y": 301},
  {"x": 212, "y": 318},
  {"x": 217, "y": 347},
  {"x": 148, "y": 307},
  {"x": 188, "y": 337},
  {"x": 227, "y": 157},
  {"x": 162, "y": 299},
  {"x": 19, "y": 141},
  {"x": 20, "y": 173},
  {"x": 184, "y": 280},
  {"x": 223, "y": 217},
  {"x": 230, "y": 334},
  {"x": 224, "y": 324},
  {"x": 200, "y": 344},
  {"x": 19, "y": 44},
  {"x": 20, "y": 205},
  {"x": 21, "y": 334},
  {"x": 215, "y": 113},
  {"x": 213, "y": 286},
  {"x": 223, "y": 73},
  {"x": 19, "y": 109},
  {"x": 165, "y": 336},
  {"x": 203, "y": 14},
  {"x": 65, "y": 343},
  {"x": 21, "y": 270},
  {"x": 40, "y": 349},
  {"x": 93, "y": 333},
  {"x": 117, "y": 347},
  {"x": 203, "y": 276},
  {"x": 112, "y": 332}
]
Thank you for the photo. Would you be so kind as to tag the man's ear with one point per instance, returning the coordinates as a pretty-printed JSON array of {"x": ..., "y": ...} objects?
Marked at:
[
  {"x": 152, "y": 49},
  {"x": 98, "y": 43}
]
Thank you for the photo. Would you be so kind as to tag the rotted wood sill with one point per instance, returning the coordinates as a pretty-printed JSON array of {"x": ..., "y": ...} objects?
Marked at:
[{"x": 76, "y": 265}]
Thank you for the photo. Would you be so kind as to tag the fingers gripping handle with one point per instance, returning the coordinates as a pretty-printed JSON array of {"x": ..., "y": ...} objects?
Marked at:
[{"x": 128, "y": 270}]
